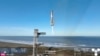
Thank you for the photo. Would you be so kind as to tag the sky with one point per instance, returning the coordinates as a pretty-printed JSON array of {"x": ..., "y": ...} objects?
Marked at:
[{"x": 71, "y": 17}]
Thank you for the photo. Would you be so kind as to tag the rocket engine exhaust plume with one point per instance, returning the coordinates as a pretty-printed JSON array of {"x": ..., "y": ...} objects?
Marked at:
[{"x": 52, "y": 29}]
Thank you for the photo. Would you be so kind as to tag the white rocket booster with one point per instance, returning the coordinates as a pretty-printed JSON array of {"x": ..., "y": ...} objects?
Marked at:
[{"x": 52, "y": 22}]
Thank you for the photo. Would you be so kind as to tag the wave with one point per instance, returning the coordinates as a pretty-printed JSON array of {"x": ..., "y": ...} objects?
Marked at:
[{"x": 31, "y": 43}]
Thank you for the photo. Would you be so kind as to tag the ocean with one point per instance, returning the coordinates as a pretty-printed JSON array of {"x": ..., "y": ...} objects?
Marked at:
[{"x": 88, "y": 41}]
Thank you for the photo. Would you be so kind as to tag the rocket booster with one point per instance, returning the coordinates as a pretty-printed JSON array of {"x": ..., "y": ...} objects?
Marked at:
[{"x": 51, "y": 19}]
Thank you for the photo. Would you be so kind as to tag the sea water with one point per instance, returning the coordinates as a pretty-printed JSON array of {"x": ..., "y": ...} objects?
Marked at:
[{"x": 66, "y": 40}]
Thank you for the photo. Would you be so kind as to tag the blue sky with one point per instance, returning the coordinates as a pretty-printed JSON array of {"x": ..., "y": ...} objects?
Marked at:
[{"x": 72, "y": 17}]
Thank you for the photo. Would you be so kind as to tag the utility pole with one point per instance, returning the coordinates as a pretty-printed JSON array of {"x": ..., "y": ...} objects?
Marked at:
[{"x": 35, "y": 40}]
